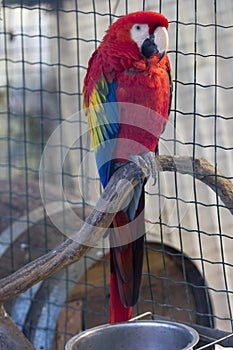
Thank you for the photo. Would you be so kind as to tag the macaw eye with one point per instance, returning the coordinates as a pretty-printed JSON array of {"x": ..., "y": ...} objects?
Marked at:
[{"x": 137, "y": 27}]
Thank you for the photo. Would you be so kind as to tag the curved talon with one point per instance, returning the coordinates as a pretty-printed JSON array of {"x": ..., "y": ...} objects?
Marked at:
[{"x": 146, "y": 162}]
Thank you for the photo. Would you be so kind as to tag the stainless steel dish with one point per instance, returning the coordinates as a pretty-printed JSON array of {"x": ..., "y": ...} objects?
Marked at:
[{"x": 140, "y": 335}]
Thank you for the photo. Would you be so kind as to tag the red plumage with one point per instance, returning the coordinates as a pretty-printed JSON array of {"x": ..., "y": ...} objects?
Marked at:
[{"x": 145, "y": 82}]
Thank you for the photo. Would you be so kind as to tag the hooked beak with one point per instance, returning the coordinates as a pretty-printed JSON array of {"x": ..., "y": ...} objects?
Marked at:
[{"x": 157, "y": 43}]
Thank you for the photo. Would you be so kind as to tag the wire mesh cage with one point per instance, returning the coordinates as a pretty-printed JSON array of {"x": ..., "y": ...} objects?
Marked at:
[{"x": 188, "y": 266}]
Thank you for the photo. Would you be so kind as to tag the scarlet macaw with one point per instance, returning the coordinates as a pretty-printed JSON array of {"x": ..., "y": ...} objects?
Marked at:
[{"x": 130, "y": 66}]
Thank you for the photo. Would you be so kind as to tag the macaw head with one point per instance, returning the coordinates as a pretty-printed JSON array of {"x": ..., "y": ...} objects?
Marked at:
[{"x": 140, "y": 33}]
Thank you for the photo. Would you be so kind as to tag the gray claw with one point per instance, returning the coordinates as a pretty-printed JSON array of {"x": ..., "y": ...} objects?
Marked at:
[{"x": 146, "y": 162}]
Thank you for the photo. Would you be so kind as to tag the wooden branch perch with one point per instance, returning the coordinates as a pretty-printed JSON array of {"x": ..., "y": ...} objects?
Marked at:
[
  {"x": 202, "y": 170},
  {"x": 101, "y": 217},
  {"x": 10, "y": 335}
]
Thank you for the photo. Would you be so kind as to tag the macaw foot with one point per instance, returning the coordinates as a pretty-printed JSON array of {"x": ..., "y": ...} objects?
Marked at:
[{"x": 146, "y": 162}]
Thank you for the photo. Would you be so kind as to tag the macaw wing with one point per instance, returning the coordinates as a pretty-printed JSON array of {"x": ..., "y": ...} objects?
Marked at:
[{"x": 103, "y": 119}]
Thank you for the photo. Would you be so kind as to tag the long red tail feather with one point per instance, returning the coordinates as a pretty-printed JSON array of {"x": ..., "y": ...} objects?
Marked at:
[
  {"x": 118, "y": 312},
  {"x": 126, "y": 264}
]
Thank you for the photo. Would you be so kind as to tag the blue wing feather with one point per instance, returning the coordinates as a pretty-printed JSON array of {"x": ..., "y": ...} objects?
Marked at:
[{"x": 108, "y": 121}]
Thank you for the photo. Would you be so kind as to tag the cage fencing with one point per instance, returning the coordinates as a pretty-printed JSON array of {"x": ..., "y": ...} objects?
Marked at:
[{"x": 188, "y": 269}]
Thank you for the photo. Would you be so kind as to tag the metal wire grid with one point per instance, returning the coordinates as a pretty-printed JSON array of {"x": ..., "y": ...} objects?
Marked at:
[{"x": 43, "y": 58}]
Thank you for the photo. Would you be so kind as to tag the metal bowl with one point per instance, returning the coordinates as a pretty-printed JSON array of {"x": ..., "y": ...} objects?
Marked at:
[{"x": 140, "y": 335}]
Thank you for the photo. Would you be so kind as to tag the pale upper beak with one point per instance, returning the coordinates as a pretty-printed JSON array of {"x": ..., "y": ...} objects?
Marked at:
[{"x": 157, "y": 43}]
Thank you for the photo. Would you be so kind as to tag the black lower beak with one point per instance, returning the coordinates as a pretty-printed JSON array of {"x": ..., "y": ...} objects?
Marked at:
[{"x": 149, "y": 48}]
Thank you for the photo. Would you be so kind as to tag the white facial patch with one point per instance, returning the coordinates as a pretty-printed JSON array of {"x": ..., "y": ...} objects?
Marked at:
[{"x": 139, "y": 33}]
